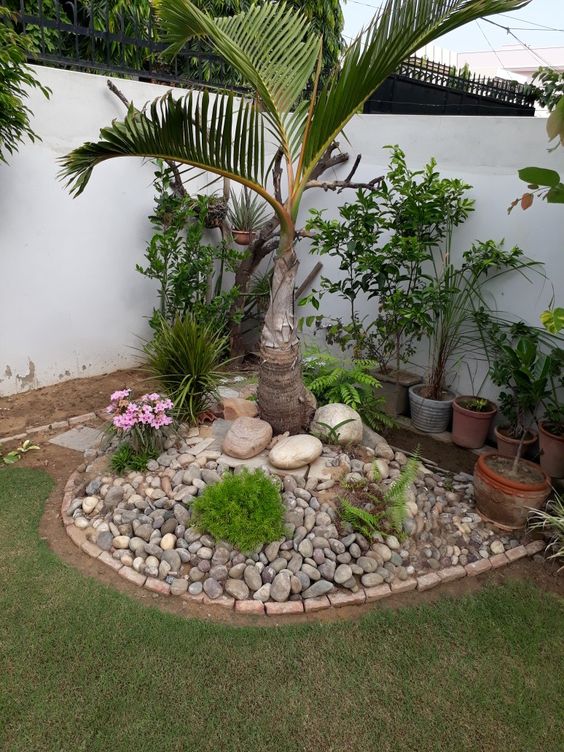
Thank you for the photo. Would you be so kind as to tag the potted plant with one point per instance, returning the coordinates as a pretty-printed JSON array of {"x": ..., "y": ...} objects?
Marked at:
[
  {"x": 551, "y": 428},
  {"x": 458, "y": 300},
  {"x": 247, "y": 214},
  {"x": 471, "y": 421},
  {"x": 507, "y": 487}
]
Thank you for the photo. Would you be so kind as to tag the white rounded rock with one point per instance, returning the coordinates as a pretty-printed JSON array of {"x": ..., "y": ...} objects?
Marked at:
[
  {"x": 331, "y": 416},
  {"x": 168, "y": 542},
  {"x": 295, "y": 451},
  {"x": 121, "y": 541},
  {"x": 89, "y": 504}
]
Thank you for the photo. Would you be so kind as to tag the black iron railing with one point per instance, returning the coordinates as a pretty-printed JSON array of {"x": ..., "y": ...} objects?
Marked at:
[{"x": 110, "y": 37}]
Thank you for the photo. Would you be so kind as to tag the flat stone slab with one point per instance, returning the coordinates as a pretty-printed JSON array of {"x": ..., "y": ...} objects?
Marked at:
[
  {"x": 80, "y": 439},
  {"x": 252, "y": 463}
]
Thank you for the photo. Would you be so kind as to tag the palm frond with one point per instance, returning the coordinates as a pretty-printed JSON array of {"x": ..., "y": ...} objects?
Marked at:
[
  {"x": 220, "y": 134},
  {"x": 270, "y": 44},
  {"x": 400, "y": 29}
]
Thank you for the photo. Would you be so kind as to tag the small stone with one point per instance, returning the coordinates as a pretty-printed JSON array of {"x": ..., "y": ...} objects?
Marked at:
[
  {"x": 178, "y": 586},
  {"x": 121, "y": 541},
  {"x": 212, "y": 588},
  {"x": 263, "y": 593},
  {"x": 382, "y": 551},
  {"x": 371, "y": 579},
  {"x": 105, "y": 540},
  {"x": 89, "y": 503},
  {"x": 306, "y": 548},
  {"x": 497, "y": 547},
  {"x": 237, "y": 589},
  {"x": 168, "y": 541},
  {"x": 319, "y": 588},
  {"x": 195, "y": 588},
  {"x": 271, "y": 551},
  {"x": 392, "y": 542},
  {"x": 343, "y": 573},
  {"x": 280, "y": 590},
  {"x": 252, "y": 578}
]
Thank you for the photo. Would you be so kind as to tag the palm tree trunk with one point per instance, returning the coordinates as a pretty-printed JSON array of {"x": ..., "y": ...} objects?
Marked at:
[{"x": 282, "y": 397}]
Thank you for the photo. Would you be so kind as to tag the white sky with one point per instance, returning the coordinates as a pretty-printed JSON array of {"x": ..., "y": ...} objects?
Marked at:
[{"x": 358, "y": 13}]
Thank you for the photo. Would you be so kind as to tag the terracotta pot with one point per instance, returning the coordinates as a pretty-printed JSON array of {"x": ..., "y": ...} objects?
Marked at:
[
  {"x": 428, "y": 415},
  {"x": 242, "y": 237},
  {"x": 505, "y": 501},
  {"x": 507, "y": 447},
  {"x": 551, "y": 452},
  {"x": 470, "y": 427}
]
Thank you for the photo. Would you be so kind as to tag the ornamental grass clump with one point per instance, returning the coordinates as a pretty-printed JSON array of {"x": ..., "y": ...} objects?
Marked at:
[
  {"x": 245, "y": 509},
  {"x": 187, "y": 358}
]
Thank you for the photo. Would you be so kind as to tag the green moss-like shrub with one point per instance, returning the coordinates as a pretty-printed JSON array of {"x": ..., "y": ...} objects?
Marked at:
[{"x": 245, "y": 510}]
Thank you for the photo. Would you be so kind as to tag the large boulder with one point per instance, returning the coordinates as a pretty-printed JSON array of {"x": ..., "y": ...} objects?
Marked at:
[
  {"x": 295, "y": 451},
  {"x": 247, "y": 437},
  {"x": 330, "y": 416}
]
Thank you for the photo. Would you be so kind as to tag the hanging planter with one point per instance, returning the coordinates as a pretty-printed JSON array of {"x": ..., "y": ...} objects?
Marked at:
[
  {"x": 471, "y": 421},
  {"x": 247, "y": 214},
  {"x": 243, "y": 237}
]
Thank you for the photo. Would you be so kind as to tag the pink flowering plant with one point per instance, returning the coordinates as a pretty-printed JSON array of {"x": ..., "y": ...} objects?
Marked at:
[{"x": 140, "y": 421}]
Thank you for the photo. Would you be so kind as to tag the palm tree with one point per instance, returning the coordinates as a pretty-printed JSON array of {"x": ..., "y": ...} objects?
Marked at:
[{"x": 277, "y": 53}]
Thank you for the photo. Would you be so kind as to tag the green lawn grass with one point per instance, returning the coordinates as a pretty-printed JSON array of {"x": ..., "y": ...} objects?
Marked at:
[{"x": 85, "y": 668}]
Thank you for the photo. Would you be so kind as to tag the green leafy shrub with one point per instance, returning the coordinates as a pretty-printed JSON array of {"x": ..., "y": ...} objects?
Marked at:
[
  {"x": 186, "y": 357},
  {"x": 333, "y": 380},
  {"x": 126, "y": 458},
  {"x": 245, "y": 510}
]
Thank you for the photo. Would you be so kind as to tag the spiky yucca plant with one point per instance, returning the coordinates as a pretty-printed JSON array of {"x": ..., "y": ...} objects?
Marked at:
[{"x": 280, "y": 57}]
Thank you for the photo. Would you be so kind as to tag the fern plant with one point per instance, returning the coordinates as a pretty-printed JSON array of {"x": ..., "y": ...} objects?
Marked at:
[
  {"x": 360, "y": 519},
  {"x": 348, "y": 382},
  {"x": 395, "y": 497}
]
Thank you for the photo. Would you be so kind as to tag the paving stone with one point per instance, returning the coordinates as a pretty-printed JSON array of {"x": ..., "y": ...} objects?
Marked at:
[
  {"x": 317, "y": 604},
  {"x": 284, "y": 609},
  {"x": 225, "y": 601},
  {"x": 403, "y": 586},
  {"x": 377, "y": 593},
  {"x": 428, "y": 581},
  {"x": 77, "y": 419},
  {"x": 535, "y": 547},
  {"x": 77, "y": 536},
  {"x": 91, "y": 549},
  {"x": 109, "y": 560},
  {"x": 157, "y": 586},
  {"x": 131, "y": 575},
  {"x": 338, "y": 600},
  {"x": 249, "y": 607},
  {"x": 499, "y": 560},
  {"x": 478, "y": 567},
  {"x": 189, "y": 598},
  {"x": 80, "y": 438},
  {"x": 452, "y": 573}
]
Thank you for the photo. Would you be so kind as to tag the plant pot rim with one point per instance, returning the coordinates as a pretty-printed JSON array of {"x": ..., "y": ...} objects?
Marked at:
[
  {"x": 499, "y": 432},
  {"x": 413, "y": 389},
  {"x": 542, "y": 429},
  {"x": 476, "y": 413},
  {"x": 406, "y": 378},
  {"x": 513, "y": 485}
]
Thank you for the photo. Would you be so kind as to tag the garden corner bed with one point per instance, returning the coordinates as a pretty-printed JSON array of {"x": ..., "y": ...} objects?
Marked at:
[{"x": 140, "y": 525}]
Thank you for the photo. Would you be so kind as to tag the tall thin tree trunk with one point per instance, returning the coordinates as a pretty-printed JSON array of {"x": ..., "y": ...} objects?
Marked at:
[{"x": 282, "y": 397}]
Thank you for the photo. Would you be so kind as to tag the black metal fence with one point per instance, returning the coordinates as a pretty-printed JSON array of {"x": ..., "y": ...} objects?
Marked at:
[
  {"x": 112, "y": 37},
  {"x": 425, "y": 87}
]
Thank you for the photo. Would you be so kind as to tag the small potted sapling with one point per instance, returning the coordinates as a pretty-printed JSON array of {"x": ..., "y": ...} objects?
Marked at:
[
  {"x": 506, "y": 486},
  {"x": 247, "y": 215},
  {"x": 471, "y": 420}
]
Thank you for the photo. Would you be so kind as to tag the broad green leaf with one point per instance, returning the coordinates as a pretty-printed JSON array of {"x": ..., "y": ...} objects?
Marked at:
[
  {"x": 553, "y": 320},
  {"x": 539, "y": 176},
  {"x": 556, "y": 194}
]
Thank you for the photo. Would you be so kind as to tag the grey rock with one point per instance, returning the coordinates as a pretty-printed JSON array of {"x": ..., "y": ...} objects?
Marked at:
[
  {"x": 371, "y": 579},
  {"x": 327, "y": 569},
  {"x": 172, "y": 557},
  {"x": 312, "y": 572},
  {"x": 210, "y": 477},
  {"x": 319, "y": 588},
  {"x": 306, "y": 548},
  {"x": 280, "y": 590},
  {"x": 212, "y": 588},
  {"x": 343, "y": 573},
  {"x": 178, "y": 586},
  {"x": 219, "y": 572},
  {"x": 271, "y": 551},
  {"x": 236, "y": 571},
  {"x": 104, "y": 540},
  {"x": 252, "y": 578},
  {"x": 263, "y": 593},
  {"x": 237, "y": 589},
  {"x": 195, "y": 588}
]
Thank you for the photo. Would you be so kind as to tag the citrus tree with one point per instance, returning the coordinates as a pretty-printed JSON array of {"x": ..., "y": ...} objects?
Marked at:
[{"x": 276, "y": 51}]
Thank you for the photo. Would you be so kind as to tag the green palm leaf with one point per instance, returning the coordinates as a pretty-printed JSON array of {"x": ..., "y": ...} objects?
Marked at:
[
  {"x": 271, "y": 45},
  {"x": 401, "y": 28},
  {"x": 218, "y": 133}
]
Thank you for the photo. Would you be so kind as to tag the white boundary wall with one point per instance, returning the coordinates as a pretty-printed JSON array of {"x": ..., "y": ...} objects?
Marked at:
[{"x": 71, "y": 302}]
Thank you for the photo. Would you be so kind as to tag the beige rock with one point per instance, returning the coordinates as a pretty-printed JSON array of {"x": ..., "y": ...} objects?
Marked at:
[
  {"x": 295, "y": 451},
  {"x": 334, "y": 414},
  {"x": 247, "y": 437},
  {"x": 236, "y": 407}
]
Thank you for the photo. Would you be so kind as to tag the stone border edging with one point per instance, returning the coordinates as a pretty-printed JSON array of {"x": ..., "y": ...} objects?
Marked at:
[
  {"x": 271, "y": 608},
  {"x": 55, "y": 426}
]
